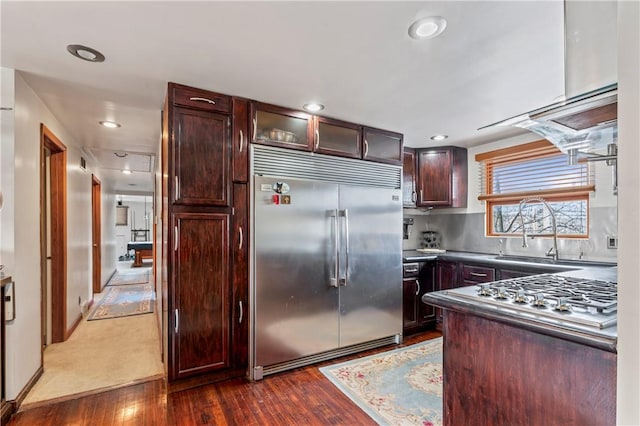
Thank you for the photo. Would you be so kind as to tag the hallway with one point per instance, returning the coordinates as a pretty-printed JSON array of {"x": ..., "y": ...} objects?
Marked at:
[{"x": 100, "y": 355}]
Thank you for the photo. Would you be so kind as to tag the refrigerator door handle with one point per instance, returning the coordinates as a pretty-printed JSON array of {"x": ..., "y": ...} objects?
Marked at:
[
  {"x": 344, "y": 281},
  {"x": 333, "y": 281}
]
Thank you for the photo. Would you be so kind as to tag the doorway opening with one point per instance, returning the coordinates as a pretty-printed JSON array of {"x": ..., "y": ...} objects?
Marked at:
[
  {"x": 96, "y": 224},
  {"x": 53, "y": 237}
]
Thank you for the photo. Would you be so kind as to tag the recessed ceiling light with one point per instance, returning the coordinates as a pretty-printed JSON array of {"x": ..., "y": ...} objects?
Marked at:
[
  {"x": 313, "y": 107},
  {"x": 110, "y": 124},
  {"x": 429, "y": 27},
  {"x": 126, "y": 172},
  {"x": 120, "y": 154},
  {"x": 439, "y": 137},
  {"x": 85, "y": 53}
]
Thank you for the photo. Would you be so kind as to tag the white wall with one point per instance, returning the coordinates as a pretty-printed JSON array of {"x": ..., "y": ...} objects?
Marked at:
[
  {"x": 24, "y": 334},
  {"x": 79, "y": 233},
  {"x": 7, "y": 129},
  {"x": 109, "y": 255},
  {"x": 629, "y": 207}
]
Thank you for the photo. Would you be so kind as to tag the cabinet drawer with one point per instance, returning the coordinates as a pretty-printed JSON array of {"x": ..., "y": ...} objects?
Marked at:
[
  {"x": 477, "y": 274},
  {"x": 200, "y": 99}
]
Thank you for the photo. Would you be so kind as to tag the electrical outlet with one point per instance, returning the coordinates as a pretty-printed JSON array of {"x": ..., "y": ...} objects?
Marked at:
[{"x": 612, "y": 242}]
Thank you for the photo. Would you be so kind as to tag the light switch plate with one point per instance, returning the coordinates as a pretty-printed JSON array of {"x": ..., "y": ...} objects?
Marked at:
[{"x": 612, "y": 242}]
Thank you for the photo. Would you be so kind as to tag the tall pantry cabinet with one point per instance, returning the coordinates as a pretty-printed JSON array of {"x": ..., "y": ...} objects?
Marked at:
[{"x": 205, "y": 218}]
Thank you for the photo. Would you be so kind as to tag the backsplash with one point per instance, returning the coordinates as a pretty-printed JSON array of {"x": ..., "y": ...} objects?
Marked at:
[{"x": 466, "y": 232}]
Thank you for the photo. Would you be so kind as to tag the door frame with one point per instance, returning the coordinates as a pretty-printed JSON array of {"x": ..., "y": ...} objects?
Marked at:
[
  {"x": 96, "y": 240},
  {"x": 58, "y": 172}
]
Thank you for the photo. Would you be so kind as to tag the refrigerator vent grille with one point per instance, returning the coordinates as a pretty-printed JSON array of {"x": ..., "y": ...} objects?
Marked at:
[{"x": 269, "y": 161}]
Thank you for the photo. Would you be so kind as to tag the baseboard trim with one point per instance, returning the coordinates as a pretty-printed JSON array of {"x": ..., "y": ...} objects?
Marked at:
[
  {"x": 27, "y": 388},
  {"x": 7, "y": 410},
  {"x": 90, "y": 392},
  {"x": 73, "y": 327},
  {"x": 110, "y": 277}
]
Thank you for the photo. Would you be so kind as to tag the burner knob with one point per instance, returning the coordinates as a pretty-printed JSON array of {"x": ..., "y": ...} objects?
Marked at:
[
  {"x": 521, "y": 297},
  {"x": 538, "y": 300},
  {"x": 563, "y": 304},
  {"x": 485, "y": 289},
  {"x": 501, "y": 293}
]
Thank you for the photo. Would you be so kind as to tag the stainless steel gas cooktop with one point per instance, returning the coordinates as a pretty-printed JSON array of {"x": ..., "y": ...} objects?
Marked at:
[{"x": 562, "y": 299}]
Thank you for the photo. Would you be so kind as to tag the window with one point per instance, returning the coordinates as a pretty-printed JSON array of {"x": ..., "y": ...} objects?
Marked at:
[{"x": 535, "y": 171}]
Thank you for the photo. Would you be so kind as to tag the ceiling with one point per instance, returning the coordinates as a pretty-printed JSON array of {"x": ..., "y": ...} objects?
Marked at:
[{"x": 493, "y": 61}]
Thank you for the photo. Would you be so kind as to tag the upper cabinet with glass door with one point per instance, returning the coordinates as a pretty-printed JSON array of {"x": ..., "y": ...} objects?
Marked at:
[
  {"x": 283, "y": 127},
  {"x": 382, "y": 146},
  {"x": 274, "y": 125},
  {"x": 335, "y": 137}
]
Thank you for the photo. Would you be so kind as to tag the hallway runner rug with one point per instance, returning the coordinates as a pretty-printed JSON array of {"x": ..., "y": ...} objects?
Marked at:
[
  {"x": 126, "y": 278},
  {"x": 398, "y": 387},
  {"x": 123, "y": 301}
]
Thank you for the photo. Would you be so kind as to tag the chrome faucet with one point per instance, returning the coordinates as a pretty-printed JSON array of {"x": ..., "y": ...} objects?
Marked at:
[{"x": 553, "y": 251}]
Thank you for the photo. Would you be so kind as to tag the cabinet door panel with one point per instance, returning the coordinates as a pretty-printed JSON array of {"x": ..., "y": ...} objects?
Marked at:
[
  {"x": 426, "y": 284},
  {"x": 201, "y": 294},
  {"x": 409, "y": 303},
  {"x": 435, "y": 178},
  {"x": 201, "y": 155},
  {"x": 239, "y": 244},
  {"x": 240, "y": 140},
  {"x": 337, "y": 138},
  {"x": 382, "y": 146},
  {"x": 409, "y": 194},
  {"x": 446, "y": 278},
  {"x": 278, "y": 126}
]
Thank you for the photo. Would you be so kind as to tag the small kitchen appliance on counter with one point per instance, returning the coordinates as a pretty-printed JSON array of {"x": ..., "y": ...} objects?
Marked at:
[{"x": 430, "y": 240}]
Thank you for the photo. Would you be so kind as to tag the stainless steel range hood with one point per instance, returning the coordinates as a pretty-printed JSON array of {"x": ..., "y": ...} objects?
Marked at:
[{"x": 586, "y": 121}]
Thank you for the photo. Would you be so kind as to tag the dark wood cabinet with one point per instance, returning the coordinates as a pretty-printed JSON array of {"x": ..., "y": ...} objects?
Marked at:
[
  {"x": 409, "y": 194},
  {"x": 287, "y": 128},
  {"x": 201, "y": 157},
  {"x": 410, "y": 290},
  {"x": 442, "y": 177},
  {"x": 382, "y": 146},
  {"x": 191, "y": 97},
  {"x": 505, "y": 274},
  {"x": 201, "y": 294},
  {"x": 336, "y": 137},
  {"x": 446, "y": 278},
  {"x": 503, "y": 374},
  {"x": 474, "y": 274},
  {"x": 240, "y": 268},
  {"x": 240, "y": 140},
  {"x": 205, "y": 236},
  {"x": 417, "y": 316},
  {"x": 277, "y": 126}
]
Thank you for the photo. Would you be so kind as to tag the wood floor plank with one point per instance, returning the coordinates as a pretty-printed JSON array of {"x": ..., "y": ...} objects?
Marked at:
[{"x": 302, "y": 396}]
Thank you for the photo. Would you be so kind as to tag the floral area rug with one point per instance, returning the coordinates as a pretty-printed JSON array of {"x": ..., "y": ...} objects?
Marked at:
[
  {"x": 123, "y": 301},
  {"x": 129, "y": 277},
  {"x": 399, "y": 387}
]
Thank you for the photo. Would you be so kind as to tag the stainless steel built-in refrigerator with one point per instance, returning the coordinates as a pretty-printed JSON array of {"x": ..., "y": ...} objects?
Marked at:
[{"x": 326, "y": 258}]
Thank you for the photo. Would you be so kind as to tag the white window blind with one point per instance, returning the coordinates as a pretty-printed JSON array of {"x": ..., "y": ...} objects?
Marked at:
[{"x": 532, "y": 172}]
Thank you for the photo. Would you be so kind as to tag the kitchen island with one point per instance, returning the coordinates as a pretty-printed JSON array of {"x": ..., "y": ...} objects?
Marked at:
[{"x": 506, "y": 365}]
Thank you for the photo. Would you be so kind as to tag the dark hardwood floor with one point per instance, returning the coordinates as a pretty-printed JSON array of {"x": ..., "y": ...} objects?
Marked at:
[{"x": 298, "y": 397}]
